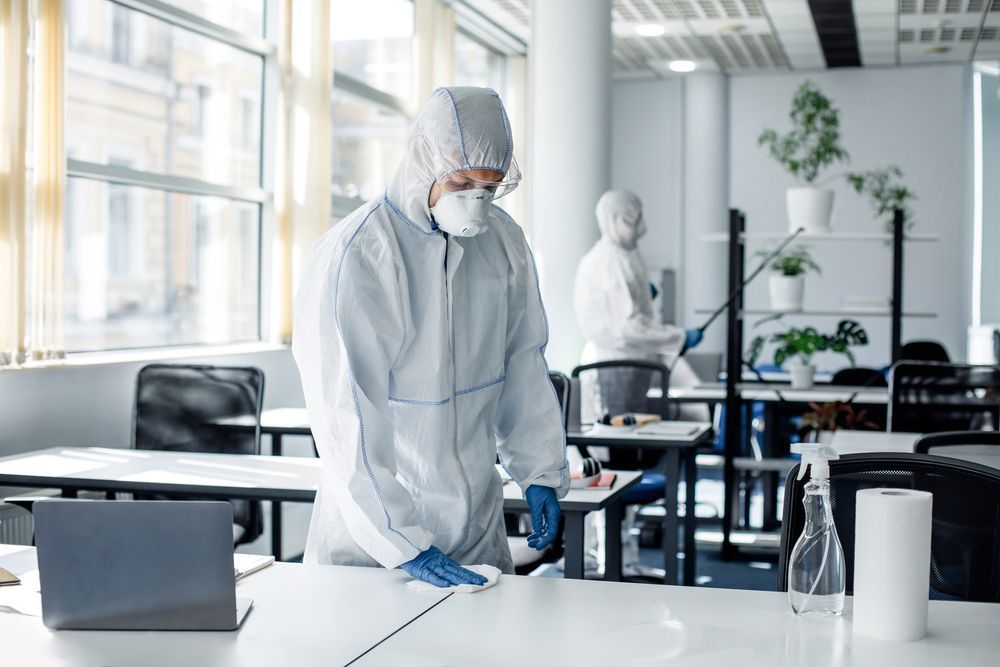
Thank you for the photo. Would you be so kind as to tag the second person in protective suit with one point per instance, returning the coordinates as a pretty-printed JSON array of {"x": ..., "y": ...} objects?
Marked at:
[
  {"x": 614, "y": 308},
  {"x": 419, "y": 336}
]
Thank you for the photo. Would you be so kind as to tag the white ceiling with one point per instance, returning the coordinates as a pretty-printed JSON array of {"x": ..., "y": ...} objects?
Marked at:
[{"x": 737, "y": 36}]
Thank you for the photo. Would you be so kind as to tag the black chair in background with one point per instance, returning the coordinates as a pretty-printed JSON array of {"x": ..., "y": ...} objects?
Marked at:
[
  {"x": 924, "y": 350},
  {"x": 562, "y": 385},
  {"x": 859, "y": 377},
  {"x": 929, "y": 397},
  {"x": 877, "y": 415},
  {"x": 965, "y": 534},
  {"x": 623, "y": 386},
  {"x": 981, "y": 447},
  {"x": 177, "y": 408},
  {"x": 518, "y": 524}
]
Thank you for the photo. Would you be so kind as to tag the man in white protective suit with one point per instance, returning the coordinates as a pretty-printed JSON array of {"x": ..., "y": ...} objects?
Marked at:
[
  {"x": 614, "y": 308},
  {"x": 419, "y": 336}
]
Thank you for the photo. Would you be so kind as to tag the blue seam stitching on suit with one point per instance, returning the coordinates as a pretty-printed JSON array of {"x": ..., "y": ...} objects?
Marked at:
[
  {"x": 413, "y": 401},
  {"x": 506, "y": 128},
  {"x": 541, "y": 351},
  {"x": 409, "y": 222},
  {"x": 481, "y": 386},
  {"x": 354, "y": 389},
  {"x": 458, "y": 126}
]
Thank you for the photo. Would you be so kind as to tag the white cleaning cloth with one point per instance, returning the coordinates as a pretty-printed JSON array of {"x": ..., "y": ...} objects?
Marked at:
[{"x": 491, "y": 573}]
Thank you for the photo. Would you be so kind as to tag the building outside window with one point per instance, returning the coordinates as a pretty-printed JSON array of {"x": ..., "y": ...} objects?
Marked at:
[{"x": 163, "y": 249}]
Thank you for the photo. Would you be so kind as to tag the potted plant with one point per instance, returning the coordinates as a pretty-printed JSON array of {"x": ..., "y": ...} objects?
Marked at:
[
  {"x": 819, "y": 425},
  {"x": 798, "y": 346},
  {"x": 787, "y": 283},
  {"x": 811, "y": 146},
  {"x": 886, "y": 192}
]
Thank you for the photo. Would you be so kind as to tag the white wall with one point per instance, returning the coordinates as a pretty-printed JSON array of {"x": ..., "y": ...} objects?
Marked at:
[
  {"x": 644, "y": 159},
  {"x": 92, "y": 404},
  {"x": 918, "y": 118},
  {"x": 914, "y": 117}
]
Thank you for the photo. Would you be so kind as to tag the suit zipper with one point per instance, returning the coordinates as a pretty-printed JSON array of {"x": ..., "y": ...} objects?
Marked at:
[{"x": 454, "y": 381}]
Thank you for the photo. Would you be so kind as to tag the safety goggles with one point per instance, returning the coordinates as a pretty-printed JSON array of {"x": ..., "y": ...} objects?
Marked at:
[{"x": 460, "y": 181}]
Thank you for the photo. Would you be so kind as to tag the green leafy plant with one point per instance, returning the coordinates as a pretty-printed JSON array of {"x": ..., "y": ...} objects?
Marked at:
[
  {"x": 792, "y": 262},
  {"x": 833, "y": 416},
  {"x": 814, "y": 141},
  {"x": 804, "y": 343},
  {"x": 886, "y": 192}
]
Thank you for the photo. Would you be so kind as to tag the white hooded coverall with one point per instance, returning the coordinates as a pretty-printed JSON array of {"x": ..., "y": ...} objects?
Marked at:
[
  {"x": 421, "y": 358},
  {"x": 613, "y": 303}
]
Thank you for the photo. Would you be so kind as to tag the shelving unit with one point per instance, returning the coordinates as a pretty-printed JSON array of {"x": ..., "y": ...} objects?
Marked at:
[{"x": 737, "y": 239}]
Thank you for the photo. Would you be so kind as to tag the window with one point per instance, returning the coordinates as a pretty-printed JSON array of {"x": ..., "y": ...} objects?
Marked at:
[
  {"x": 477, "y": 64},
  {"x": 370, "y": 109},
  {"x": 163, "y": 248},
  {"x": 986, "y": 207},
  {"x": 368, "y": 143},
  {"x": 373, "y": 43},
  {"x": 121, "y": 34}
]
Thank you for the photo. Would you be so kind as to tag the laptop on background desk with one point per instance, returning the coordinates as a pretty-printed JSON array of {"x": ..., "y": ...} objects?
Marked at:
[{"x": 137, "y": 565}]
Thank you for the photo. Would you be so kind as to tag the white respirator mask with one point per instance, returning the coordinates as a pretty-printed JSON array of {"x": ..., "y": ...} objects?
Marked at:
[{"x": 463, "y": 213}]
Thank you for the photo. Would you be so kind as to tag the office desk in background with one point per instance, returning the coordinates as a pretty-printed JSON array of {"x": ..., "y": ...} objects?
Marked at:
[
  {"x": 679, "y": 442},
  {"x": 239, "y": 476}
]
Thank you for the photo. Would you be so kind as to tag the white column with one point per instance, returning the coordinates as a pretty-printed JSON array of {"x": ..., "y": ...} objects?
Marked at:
[
  {"x": 569, "y": 169},
  {"x": 706, "y": 201}
]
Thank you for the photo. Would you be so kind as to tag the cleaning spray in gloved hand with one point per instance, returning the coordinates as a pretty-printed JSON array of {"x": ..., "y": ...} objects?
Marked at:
[{"x": 816, "y": 573}]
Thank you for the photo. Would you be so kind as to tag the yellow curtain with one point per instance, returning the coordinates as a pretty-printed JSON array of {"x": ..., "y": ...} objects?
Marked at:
[
  {"x": 302, "y": 187},
  {"x": 45, "y": 272},
  {"x": 434, "y": 46},
  {"x": 13, "y": 186}
]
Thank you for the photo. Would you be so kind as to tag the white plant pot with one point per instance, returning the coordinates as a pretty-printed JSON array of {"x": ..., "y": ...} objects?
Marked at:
[
  {"x": 786, "y": 293},
  {"x": 802, "y": 376},
  {"x": 811, "y": 208}
]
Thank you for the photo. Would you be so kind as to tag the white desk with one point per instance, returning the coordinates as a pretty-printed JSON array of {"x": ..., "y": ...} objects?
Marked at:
[
  {"x": 679, "y": 442},
  {"x": 229, "y": 476},
  {"x": 868, "y": 442},
  {"x": 302, "y": 615},
  {"x": 561, "y": 622},
  {"x": 770, "y": 393}
]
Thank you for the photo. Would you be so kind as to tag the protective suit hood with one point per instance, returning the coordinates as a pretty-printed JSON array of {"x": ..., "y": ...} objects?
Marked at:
[
  {"x": 459, "y": 128},
  {"x": 616, "y": 204}
]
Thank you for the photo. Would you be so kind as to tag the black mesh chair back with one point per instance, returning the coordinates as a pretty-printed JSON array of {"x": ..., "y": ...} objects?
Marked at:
[
  {"x": 928, "y": 397},
  {"x": 965, "y": 533},
  {"x": 981, "y": 447},
  {"x": 874, "y": 416},
  {"x": 859, "y": 377},
  {"x": 177, "y": 408},
  {"x": 623, "y": 386},
  {"x": 924, "y": 350},
  {"x": 561, "y": 384}
]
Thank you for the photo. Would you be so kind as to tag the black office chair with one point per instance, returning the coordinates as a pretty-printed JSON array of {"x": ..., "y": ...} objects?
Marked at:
[
  {"x": 965, "y": 533},
  {"x": 924, "y": 350},
  {"x": 562, "y": 386},
  {"x": 518, "y": 524},
  {"x": 929, "y": 397},
  {"x": 859, "y": 376},
  {"x": 623, "y": 386},
  {"x": 177, "y": 408}
]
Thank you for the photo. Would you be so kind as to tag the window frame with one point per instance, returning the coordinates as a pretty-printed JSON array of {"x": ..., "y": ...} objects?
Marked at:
[{"x": 262, "y": 195}]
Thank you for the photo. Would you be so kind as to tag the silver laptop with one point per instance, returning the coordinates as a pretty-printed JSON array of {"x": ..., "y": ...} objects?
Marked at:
[{"x": 137, "y": 565}]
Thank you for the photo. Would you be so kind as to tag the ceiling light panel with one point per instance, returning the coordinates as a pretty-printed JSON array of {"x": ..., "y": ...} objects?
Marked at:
[{"x": 796, "y": 33}]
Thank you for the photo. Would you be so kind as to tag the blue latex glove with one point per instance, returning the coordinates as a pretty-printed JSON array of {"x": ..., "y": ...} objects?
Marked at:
[
  {"x": 544, "y": 515},
  {"x": 692, "y": 338},
  {"x": 435, "y": 568}
]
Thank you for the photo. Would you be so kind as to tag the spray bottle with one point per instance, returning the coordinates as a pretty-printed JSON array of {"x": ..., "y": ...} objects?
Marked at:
[{"x": 816, "y": 574}]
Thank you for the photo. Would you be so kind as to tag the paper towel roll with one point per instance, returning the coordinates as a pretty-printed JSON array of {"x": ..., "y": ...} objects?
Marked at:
[{"x": 892, "y": 560}]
